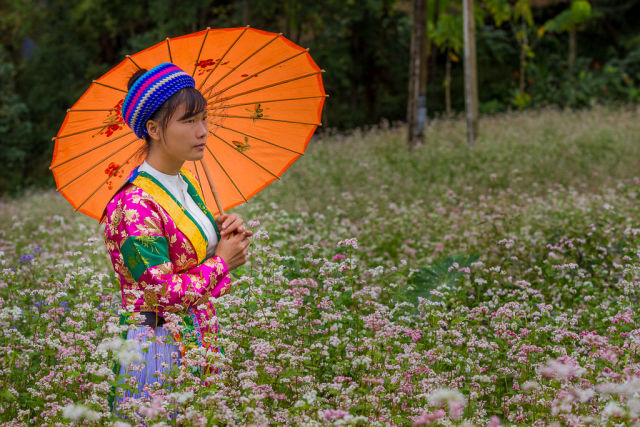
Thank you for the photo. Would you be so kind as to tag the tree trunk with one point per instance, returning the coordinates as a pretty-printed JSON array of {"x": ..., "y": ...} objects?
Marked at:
[
  {"x": 524, "y": 43},
  {"x": 447, "y": 83},
  {"x": 433, "y": 59},
  {"x": 245, "y": 12},
  {"x": 470, "y": 72},
  {"x": 416, "y": 104},
  {"x": 572, "y": 47}
]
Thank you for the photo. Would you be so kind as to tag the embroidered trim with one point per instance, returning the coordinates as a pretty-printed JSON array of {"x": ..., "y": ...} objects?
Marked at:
[
  {"x": 195, "y": 191},
  {"x": 196, "y": 325},
  {"x": 184, "y": 221}
]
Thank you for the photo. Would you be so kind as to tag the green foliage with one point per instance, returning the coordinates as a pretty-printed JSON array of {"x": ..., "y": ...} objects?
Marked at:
[
  {"x": 615, "y": 81},
  {"x": 444, "y": 272},
  {"x": 499, "y": 10},
  {"x": 53, "y": 49},
  {"x": 447, "y": 34},
  {"x": 521, "y": 99},
  {"x": 578, "y": 13},
  {"x": 522, "y": 11},
  {"x": 15, "y": 128}
]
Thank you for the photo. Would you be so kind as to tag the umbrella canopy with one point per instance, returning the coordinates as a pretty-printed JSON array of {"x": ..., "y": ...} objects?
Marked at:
[{"x": 265, "y": 97}]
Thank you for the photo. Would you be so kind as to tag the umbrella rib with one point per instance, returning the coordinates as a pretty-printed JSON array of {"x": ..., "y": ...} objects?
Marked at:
[
  {"x": 243, "y": 61},
  {"x": 276, "y": 100},
  {"x": 259, "y": 139},
  {"x": 110, "y": 87},
  {"x": 169, "y": 50},
  {"x": 86, "y": 130},
  {"x": 134, "y": 62},
  {"x": 86, "y": 111},
  {"x": 105, "y": 181},
  {"x": 90, "y": 150},
  {"x": 223, "y": 56},
  {"x": 265, "y": 118},
  {"x": 256, "y": 73},
  {"x": 225, "y": 172},
  {"x": 111, "y": 154},
  {"x": 256, "y": 163},
  {"x": 263, "y": 87},
  {"x": 195, "y": 67}
]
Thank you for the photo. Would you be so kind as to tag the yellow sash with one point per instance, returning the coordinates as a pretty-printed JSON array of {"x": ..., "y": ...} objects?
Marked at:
[{"x": 184, "y": 221}]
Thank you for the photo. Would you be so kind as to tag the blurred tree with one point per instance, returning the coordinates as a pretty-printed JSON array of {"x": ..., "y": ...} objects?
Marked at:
[
  {"x": 417, "y": 102},
  {"x": 470, "y": 70},
  {"x": 52, "y": 49},
  {"x": 519, "y": 16},
  {"x": 447, "y": 35},
  {"x": 578, "y": 13},
  {"x": 15, "y": 129}
]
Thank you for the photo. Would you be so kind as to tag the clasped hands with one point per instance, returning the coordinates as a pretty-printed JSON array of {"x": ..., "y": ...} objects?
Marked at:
[{"x": 234, "y": 240}]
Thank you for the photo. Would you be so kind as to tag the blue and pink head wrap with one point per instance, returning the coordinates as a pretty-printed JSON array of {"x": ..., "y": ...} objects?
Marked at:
[{"x": 150, "y": 91}]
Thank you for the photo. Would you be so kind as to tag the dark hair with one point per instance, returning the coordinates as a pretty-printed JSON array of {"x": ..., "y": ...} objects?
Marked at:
[{"x": 193, "y": 101}]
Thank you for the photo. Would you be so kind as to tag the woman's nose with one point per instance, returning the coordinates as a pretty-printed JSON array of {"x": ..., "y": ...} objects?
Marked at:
[{"x": 202, "y": 129}]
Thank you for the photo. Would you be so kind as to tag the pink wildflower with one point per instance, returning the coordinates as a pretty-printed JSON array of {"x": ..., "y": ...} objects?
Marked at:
[
  {"x": 334, "y": 414},
  {"x": 428, "y": 417}
]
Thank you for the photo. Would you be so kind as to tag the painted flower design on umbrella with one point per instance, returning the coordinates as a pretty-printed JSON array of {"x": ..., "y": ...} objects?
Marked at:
[
  {"x": 114, "y": 121},
  {"x": 205, "y": 65},
  {"x": 113, "y": 170}
]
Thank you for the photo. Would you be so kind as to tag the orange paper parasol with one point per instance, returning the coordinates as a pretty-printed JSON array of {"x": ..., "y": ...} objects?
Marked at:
[{"x": 265, "y": 98}]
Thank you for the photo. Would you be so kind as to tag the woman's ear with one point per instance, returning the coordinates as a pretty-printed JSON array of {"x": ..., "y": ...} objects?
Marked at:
[{"x": 153, "y": 129}]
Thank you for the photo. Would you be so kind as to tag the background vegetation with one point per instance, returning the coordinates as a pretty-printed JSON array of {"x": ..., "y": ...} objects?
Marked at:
[{"x": 50, "y": 51}]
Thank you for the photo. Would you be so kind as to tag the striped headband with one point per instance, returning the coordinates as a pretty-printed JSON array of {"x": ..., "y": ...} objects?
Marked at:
[{"x": 149, "y": 92}]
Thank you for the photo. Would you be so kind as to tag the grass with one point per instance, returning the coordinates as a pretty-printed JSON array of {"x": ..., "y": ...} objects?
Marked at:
[{"x": 492, "y": 285}]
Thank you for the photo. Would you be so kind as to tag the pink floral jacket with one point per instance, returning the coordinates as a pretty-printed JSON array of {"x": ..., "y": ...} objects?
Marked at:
[{"x": 159, "y": 254}]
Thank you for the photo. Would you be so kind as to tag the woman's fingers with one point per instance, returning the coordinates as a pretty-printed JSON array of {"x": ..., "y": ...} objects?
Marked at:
[{"x": 232, "y": 223}]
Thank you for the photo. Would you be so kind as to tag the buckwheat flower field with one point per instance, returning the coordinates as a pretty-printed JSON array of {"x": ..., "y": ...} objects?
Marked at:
[{"x": 497, "y": 285}]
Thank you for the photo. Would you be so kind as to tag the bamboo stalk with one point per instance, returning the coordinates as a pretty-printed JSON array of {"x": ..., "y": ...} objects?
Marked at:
[
  {"x": 240, "y": 152},
  {"x": 274, "y": 100},
  {"x": 213, "y": 188},
  {"x": 90, "y": 150},
  {"x": 228, "y": 116},
  {"x": 259, "y": 139},
  {"x": 204, "y": 40},
  {"x": 110, "y": 87},
  {"x": 220, "y": 60},
  {"x": 169, "y": 50},
  {"x": 257, "y": 73},
  {"x": 242, "y": 62},
  {"x": 134, "y": 62},
  {"x": 219, "y": 100}
]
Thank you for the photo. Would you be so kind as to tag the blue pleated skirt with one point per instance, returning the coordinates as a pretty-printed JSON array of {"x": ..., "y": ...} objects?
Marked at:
[{"x": 159, "y": 358}]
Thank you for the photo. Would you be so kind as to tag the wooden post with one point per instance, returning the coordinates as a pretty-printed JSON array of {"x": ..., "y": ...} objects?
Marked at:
[
  {"x": 417, "y": 100},
  {"x": 245, "y": 12},
  {"x": 470, "y": 72}
]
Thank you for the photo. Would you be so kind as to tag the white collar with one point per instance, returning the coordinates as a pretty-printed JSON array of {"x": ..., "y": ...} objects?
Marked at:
[{"x": 146, "y": 167}]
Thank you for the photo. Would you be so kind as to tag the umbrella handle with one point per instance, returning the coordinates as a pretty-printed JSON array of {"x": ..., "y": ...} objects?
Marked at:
[{"x": 213, "y": 188}]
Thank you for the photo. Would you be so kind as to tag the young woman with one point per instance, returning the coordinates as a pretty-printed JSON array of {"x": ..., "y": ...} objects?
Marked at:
[{"x": 165, "y": 245}]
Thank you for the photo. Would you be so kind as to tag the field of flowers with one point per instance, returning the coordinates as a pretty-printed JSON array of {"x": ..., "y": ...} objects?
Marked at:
[{"x": 448, "y": 286}]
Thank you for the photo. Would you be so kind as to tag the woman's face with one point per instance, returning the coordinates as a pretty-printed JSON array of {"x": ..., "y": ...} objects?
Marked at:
[{"x": 184, "y": 138}]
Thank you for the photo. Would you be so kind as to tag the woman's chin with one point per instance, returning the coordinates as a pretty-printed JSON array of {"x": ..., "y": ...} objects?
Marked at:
[{"x": 196, "y": 155}]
